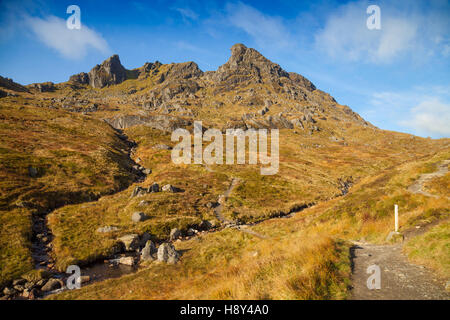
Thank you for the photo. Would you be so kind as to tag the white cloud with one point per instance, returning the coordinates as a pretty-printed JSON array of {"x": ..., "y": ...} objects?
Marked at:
[
  {"x": 265, "y": 30},
  {"x": 72, "y": 44},
  {"x": 187, "y": 14},
  {"x": 405, "y": 29},
  {"x": 430, "y": 117},
  {"x": 424, "y": 110}
]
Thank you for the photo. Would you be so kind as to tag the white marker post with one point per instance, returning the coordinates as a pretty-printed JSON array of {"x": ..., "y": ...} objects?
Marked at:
[{"x": 396, "y": 218}]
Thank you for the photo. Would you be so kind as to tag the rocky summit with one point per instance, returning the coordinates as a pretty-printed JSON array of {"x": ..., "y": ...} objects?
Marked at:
[{"x": 88, "y": 179}]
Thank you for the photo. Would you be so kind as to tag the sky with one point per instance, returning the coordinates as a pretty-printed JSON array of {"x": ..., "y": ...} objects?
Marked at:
[{"x": 397, "y": 77}]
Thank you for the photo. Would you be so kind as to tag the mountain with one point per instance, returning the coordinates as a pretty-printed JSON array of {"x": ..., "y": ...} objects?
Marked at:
[{"x": 87, "y": 175}]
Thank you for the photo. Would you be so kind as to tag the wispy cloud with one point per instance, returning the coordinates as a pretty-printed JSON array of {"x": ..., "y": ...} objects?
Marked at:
[
  {"x": 266, "y": 30},
  {"x": 430, "y": 117},
  {"x": 422, "y": 110},
  {"x": 72, "y": 44},
  {"x": 187, "y": 14},
  {"x": 405, "y": 30}
]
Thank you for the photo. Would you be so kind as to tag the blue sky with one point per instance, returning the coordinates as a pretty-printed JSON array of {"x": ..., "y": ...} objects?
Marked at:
[{"x": 397, "y": 77}]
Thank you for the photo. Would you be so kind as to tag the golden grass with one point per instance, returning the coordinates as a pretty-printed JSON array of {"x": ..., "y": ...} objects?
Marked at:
[{"x": 432, "y": 249}]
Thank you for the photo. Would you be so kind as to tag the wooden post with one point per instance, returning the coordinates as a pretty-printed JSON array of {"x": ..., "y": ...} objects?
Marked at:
[{"x": 396, "y": 218}]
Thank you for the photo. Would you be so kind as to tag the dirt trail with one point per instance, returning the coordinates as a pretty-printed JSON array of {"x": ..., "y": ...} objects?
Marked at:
[
  {"x": 223, "y": 199},
  {"x": 418, "y": 186},
  {"x": 400, "y": 279}
]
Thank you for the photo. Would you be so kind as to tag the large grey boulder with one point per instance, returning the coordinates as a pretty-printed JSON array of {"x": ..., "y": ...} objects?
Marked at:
[{"x": 168, "y": 254}]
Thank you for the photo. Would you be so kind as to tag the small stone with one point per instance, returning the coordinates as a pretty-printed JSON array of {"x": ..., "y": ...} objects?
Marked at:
[
  {"x": 9, "y": 291},
  {"x": 107, "y": 229},
  {"x": 191, "y": 232},
  {"x": 154, "y": 188},
  {"x": 85, "y": 279},
  {"x": 174, "y": 234},
  {"x": 143, "y": 203},
  {"x": 130, "y": 241},
  {"x": 147, "y": 171},
  {"x": 169, "y": 188},
  {"x": 128, "y": 261},
  {"x": 52, "y": 284},
  {"x": 32, "y": 172},
  {"x": 139, "y": 217},
  {"x": 19, "y": 288},
  {"x": 205, "y": 225},
  {"x": 19, "y": 282}
]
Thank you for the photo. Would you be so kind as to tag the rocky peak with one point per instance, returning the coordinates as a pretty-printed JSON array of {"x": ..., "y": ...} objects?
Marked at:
[
  {"x": 185, "y": 70},
  {"x": 249, "y": 62},
  {"x": 109, "y": 72}
]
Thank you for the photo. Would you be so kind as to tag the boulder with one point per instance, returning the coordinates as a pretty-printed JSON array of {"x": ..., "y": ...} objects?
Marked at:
[
  {"x": 128, "y": 261},
  {"x": 205, "y": 225},
  {"x": 138, "y": 191},
  {"x": 190, "y": 232},
  {"x": 130, "y": 242},
  {"x": 143, "y": 203},
  {"x": 52, "y": 284},
  {"x": 9, "y": 291},
  {"x": 169, "y": 188},
  {"x": 167, "y": 253},
  {"x": 175, "y": 234},
  {"x": 139, "y": 217},
  {"x": 153, "y": 188},
  {"x": 32, "y": 172},
  {"x": 149, "y": 252}
]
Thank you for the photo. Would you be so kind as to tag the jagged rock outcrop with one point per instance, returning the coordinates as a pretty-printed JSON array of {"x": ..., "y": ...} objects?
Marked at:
[
  {"x": 9, "y": 84},
  {"x": 247, "y": 64},
  {"x": 109, "y": 72},
  {"x": 160, "y": 122},
  {"x": 43, "y": 87},
  {"x": 81, "y": 78}
]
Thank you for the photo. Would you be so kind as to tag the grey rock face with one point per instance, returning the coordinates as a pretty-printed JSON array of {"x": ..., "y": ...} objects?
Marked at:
[
  {"x": 109, "y": 72},
  {"x": 81, "y": 78}
]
